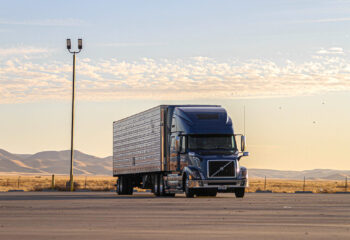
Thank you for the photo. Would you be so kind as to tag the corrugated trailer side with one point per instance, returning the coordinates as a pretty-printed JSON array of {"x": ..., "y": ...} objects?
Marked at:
[{"x": 138, "y": 143}]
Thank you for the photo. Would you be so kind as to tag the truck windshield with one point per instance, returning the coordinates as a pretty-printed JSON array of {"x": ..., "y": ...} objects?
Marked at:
[{"x": 211, "y": 142}]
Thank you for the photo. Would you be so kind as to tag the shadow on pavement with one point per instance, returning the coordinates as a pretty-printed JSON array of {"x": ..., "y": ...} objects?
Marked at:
[{"x": 30, "y": 196}]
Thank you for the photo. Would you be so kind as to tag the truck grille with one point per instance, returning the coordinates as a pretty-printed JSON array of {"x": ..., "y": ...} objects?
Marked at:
[{"x": 217, "y": 169}]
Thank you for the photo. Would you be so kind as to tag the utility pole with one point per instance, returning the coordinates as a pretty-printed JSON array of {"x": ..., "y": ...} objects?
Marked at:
[{"x": 69, "y": 46}]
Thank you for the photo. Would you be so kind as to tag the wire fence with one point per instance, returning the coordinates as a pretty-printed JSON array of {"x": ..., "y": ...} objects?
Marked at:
[
  {"x": 53, "y": 182},
  {"x": 105, "y": 183},
  {"x": 300, "y": 186}
]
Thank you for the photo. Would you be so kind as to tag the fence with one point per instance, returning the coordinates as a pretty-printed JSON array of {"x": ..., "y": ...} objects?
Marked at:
[
  {"x": 104, "y": 183},
  {"x": 56, "y": 182},
  {"x": 303, "y": 185}
]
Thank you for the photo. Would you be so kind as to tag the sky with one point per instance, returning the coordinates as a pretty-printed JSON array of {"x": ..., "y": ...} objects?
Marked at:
[{"x": 286, "y": 62}]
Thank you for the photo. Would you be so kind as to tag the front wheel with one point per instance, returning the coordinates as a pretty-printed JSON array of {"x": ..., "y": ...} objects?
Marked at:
[
  {"x": 188, "y": 191},
  {"x": 239, "y": 192}
]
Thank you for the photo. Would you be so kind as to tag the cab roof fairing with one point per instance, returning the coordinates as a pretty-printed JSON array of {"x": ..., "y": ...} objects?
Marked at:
[{"x": 189, "y": 122}]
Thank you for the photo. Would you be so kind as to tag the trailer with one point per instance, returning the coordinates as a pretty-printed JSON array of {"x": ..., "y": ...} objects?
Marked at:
[{"x": 178, "y": 148}]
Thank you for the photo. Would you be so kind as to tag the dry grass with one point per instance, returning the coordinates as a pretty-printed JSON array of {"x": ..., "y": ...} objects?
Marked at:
[
  {"x": 290, "y": 186},
  {"x": 105, "y": 183},
  {"x": 39, "y": 183}
]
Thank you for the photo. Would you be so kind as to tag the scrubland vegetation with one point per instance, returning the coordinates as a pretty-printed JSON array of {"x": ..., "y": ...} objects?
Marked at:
[{"x": 105, "y": 183}]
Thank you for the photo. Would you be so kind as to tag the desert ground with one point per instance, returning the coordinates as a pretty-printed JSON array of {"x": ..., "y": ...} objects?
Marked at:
[{"x": 104, "y": 215}]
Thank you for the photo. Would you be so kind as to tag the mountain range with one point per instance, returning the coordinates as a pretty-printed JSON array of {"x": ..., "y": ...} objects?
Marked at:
[
  {"x": 58, "y": 162},
  {"x": 53, "y": 162}
]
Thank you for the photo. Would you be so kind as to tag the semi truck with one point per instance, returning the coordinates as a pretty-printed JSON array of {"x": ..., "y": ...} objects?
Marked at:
[{"x": 172, "y": 149}]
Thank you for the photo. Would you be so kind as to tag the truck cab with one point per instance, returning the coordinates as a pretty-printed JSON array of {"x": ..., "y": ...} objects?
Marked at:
[{"x": 204, "y": 152}]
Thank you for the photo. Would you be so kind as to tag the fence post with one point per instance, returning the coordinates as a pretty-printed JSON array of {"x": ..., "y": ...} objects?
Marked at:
[
  {"x": 85, "y": 183},
  {"x": 265, "y": 184},
  {"x": 18, "y": 181},
  {"x": 53, "y": 182},
  {"x": 304, "y": 185},
  {"x": 346, "y": 183}
]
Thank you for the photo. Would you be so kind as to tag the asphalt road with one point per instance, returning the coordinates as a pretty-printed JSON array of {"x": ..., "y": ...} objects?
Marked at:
[{"x": 91, "y": 215}]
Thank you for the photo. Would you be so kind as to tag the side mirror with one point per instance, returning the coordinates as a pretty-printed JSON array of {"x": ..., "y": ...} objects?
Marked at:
[
  {"x": 245, "y": 154},
  {"x": 243, "y": 143}
]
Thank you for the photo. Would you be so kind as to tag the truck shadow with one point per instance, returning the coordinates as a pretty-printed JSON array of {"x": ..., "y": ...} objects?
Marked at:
[
  {"x": 40, "y": 196},
  {"x": 28, "y": 196}
]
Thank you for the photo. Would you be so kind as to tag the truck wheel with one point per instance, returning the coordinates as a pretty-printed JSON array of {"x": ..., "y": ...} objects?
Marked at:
[
  {"x": 124, "y": 186},
  {"x": 119, "y": 187},
  {"x": 239, "y": 192},
  {"x": 188, "y": 191},
  {"x": 156, "y": 185},
  {"x": 212, "y": 193},
  {"x": 162, "y": 188}
]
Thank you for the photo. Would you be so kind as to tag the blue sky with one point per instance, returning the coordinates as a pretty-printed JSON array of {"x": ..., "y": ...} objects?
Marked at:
[
  {"x": 220, "y": 29},
  {"x": 288, "y": 62}
]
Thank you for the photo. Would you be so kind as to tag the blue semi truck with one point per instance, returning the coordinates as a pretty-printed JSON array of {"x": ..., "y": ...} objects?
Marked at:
[{"x": 179, "y": 148}]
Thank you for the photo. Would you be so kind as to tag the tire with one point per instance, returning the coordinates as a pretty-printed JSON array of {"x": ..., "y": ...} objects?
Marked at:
[
  {"x": 162, "y": 188},
  {"x": 239, "y": 192},
  {"x": 156, "y": 185},
  {"x": 188, "y": 191},
  {"x": 212, "y": 193},
  {"x": 124, "y": 186},
  {"x": 119, "y": 188}
]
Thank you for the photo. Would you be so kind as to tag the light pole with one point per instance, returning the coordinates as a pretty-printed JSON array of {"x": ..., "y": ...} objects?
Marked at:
[{"x": 69, "y": 46}]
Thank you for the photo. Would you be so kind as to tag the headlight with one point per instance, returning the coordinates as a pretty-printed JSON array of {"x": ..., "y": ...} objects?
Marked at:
[{"x": 244, "y": 173}]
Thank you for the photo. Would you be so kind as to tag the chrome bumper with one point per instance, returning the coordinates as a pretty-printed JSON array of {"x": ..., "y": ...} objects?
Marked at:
[{"x": 219, "y": 184}]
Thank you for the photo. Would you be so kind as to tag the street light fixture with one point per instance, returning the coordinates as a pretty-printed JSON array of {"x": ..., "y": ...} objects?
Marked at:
[
  {"x": 80, "y": 43},
  {"x": 80, "y": 47},
  {"x": 69, "y": 45}
]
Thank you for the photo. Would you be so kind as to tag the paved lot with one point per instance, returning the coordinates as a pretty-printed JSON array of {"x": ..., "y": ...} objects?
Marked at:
[{"x": 64, "y": 215}]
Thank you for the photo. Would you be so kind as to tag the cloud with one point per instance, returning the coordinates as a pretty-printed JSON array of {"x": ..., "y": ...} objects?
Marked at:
[
  {"x": 69, "y": 22},
  {"x": 331, "y": 51},
  {"x": 22, "y": 51},
  {"x": 131, "y": 44},
  {"x": 24, "y": 80}
]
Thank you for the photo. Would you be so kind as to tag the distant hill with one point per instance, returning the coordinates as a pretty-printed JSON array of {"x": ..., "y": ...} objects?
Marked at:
[
  {"x": 321, "y": 174},
  {"x": 58, "y": 162}
]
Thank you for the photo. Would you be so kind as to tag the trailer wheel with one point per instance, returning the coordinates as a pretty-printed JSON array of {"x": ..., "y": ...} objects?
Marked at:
[
  {"x": 188, "y": 191},
  {"x": 124, "y": 186},
  {"x": 239, "y": 192},
  {"x": 119, "y": 187}
]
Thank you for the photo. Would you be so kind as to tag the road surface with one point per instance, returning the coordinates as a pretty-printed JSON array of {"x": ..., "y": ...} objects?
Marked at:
[{"x": 101, "y": 215}]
